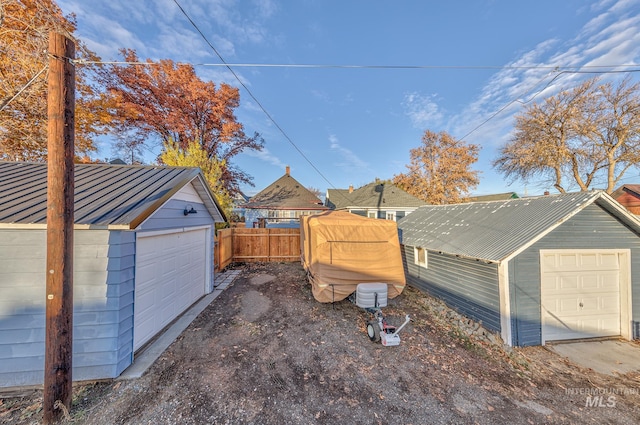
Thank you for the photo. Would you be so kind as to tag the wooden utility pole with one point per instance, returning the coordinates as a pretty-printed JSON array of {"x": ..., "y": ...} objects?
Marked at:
[{"x": 59, "y": 273}]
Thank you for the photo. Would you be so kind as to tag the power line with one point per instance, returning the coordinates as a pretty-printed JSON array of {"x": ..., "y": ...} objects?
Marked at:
[
  {"x": 576, "y": 69},
  {"x": 251, "y": 94},
  {"x": 8, "y": 101},
  {"x": 586, "y": 69},
  {"x": 492, "y": 116}
]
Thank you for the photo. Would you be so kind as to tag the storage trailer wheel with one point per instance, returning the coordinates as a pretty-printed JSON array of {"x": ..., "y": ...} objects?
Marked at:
[{"x": 373, "y": 330}]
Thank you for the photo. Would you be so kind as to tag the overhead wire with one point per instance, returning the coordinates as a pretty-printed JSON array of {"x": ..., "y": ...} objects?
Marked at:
[
  {"x": 587, "y": 69},
  {"x": 264, "y": 110},
  {"x": 559, "y": 73},
  {"x": 583, "y": 69},
  {"x": 492, "y": 116},
  {"x": 577, "y": 69},
  {"x": 26, "y": 86}
]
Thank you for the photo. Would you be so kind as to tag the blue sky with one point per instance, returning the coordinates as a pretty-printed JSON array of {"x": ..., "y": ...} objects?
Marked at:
[{"x": 349, "y": 125}]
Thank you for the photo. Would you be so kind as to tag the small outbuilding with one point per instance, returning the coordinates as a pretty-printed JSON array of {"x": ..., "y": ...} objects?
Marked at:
[
  {"x": 341, "y": 250},
  {"x": 143, "y": 249},
  {"x": 538, "y": 269}
]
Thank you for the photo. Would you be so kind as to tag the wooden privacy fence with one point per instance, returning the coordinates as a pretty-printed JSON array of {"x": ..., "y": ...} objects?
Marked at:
[{"x": 248, "y": 245}]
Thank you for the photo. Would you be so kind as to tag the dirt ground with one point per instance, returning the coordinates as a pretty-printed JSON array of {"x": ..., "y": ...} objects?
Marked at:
[{"x": 265, "y": 352}]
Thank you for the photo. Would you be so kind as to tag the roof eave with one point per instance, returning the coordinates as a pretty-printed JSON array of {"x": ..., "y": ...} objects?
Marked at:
[
  {"x": 43, "y": 226},
  {"x": 203, "y": 189},
  {"x": 601, "y": 198}
]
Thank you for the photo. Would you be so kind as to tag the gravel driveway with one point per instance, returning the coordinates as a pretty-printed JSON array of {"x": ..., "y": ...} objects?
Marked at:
[{"x": 265, "y": 352}]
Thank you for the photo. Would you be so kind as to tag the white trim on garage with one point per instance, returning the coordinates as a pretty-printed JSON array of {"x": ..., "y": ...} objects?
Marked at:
[
  {"x": 173, "y": 270},
  {"x": 585, "y": 293},
  {"x": 505, "y": 303}
]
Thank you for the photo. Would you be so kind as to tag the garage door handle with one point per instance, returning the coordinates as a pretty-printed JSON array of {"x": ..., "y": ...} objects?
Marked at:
[{"x": 581, "y": 305}]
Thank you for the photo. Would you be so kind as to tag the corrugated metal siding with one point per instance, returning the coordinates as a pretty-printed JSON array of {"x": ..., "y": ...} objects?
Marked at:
[
  {"x": 103, "y": 304},
  {"x": 469, "y": 286},
  {"x": 591, "y": 228}
]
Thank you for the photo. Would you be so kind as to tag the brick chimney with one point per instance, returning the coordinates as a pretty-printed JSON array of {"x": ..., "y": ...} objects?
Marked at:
[
  {"x": 288, "y": 170},
  {"x": 350, "y": 188}
]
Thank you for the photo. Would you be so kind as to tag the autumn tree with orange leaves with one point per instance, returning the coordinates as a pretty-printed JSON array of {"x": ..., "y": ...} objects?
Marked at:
[
  {"x": 24, "y": 34},
  {"x": 169, "y": 102},
  {"x": 440, "y": 169}
]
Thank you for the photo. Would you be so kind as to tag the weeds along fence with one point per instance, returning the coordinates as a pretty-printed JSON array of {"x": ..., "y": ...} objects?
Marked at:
[{"x": 250, "y": 245}]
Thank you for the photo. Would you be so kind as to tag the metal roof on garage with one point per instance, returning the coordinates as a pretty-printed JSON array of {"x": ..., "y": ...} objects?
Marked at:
[
  {"x": 492, "y": 231},
  {"x": 105, "y": 195}
]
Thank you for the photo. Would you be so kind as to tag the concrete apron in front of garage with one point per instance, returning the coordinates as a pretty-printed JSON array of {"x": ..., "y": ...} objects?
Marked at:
[{"x": 609, "y": 356}]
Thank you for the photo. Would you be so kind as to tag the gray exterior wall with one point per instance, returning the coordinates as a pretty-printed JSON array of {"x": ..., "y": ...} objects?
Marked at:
[
  {"x": 104, "y": 264},
  {"x": 591, "y": 228},
  {"x": 469, "y": 286},
  {"x": 171, "y": 216}
]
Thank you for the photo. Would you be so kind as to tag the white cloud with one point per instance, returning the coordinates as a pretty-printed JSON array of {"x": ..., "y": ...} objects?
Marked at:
[
  {"x": 612, "y": 38},
  {"x": 321, "y": 95},
  {"x": 166, "y": 31},
  {"x": 103, "y": 35},
  {"x": 266, "y": 156},
  {"x": 175, "y": 42},
  {"x": 422, "y": 110},
  {"x": 347, "y": 159}
]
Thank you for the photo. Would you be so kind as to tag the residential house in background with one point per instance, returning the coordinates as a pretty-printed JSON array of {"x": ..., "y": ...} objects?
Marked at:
[
  {"x": 534, "y": 270},
  {"x": 281, "y": 204},
  {"x": 628, "y": 195},
  {"x": 494, "y": 197},
  {"x": 374, "y": 200},
  {"x": 238, "y": 211},
  {"x": 142, "y": 254}
]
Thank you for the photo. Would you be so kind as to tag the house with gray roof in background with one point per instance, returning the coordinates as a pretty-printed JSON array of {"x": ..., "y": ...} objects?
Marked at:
[
  {"x": 142, "y": 255},
  {"x": 533, "y": 270},
  {"x": 281, "y": 204},
  {"x": 374, "y": 200},
  {"x": 493, "y": 197}
]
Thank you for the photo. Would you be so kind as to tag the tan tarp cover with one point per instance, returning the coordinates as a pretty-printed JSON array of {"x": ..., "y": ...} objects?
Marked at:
[{"x": 341, "y": 250}]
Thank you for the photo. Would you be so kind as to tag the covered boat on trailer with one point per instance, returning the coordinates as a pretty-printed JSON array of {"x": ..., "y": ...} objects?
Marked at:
[{"x": 339, "y": 250}]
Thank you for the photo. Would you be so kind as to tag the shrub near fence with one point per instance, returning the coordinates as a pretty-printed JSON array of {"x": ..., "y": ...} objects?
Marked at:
[{"x": 249, "y": 245}]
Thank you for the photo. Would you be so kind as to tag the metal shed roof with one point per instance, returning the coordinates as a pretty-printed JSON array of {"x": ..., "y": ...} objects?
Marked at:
[
  {"x": 106, "y": 195},
  {"x": 492, "y": 231}
]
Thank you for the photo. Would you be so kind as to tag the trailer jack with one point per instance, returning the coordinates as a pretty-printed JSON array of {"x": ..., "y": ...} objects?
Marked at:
[{"x": 379, "y": 330}]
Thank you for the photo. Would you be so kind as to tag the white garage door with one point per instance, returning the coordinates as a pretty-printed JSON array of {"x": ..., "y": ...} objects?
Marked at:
[
  {"x": 580, "y": 294},
  {"x": 170, "y": 277}
]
